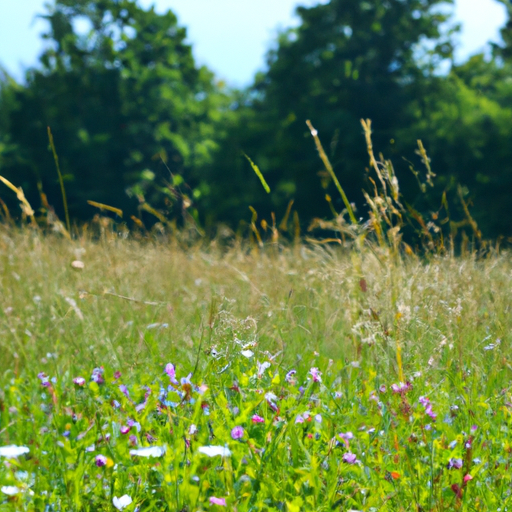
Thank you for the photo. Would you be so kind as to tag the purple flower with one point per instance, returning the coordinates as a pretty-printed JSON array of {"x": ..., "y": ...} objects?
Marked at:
[
  {"x": 237, "y": 432},
  {"x": 101, "y": 460},
  {"x": 401, "y": 387},
  {"x": 45, "y": 380},
  {"x": 125, "y": 429},
  {"x": 124, "y": 390},
  {"x": 346, "y": 436},
  {"x": 171, "y": 371},
  {"x": 97, "y": 375},
  {"x": 428, "y": 407},
  {"x": 218, "y": 501},
  {"x": 290, "y": 376},
  {"x": 257, "y": 419},
  {"x": 455, "y": 463},
  {"x": 270, "y": 398},
  {"x": 349, "y": 458},
  {"x": 382, "y": 389},
  {"x": 133, "y": 440},
  {"x": 316, "y": 374},
  {"x": 79, "y": 381}
]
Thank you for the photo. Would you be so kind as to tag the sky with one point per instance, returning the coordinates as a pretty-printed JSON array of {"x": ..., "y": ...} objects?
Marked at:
[{"x": 231, "y": 37}]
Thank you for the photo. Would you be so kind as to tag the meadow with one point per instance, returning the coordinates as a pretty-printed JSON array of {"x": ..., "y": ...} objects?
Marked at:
[{"x": 141, "y": 375}]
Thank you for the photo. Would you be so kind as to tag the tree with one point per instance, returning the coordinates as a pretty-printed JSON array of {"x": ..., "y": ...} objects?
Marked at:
[
  {"x": 348, "y": 59},
  {"x": 125, "y": 102}
]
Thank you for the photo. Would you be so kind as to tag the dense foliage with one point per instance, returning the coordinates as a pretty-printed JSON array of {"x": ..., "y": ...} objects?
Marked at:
[{"x": 137, "y": 125}]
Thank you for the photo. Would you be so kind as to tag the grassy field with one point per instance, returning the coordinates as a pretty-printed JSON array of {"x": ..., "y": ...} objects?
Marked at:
[{"x": 267, "y": 379}]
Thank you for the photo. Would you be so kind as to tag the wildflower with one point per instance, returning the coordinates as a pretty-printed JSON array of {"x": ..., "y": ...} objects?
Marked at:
[
  {"x": 90, "y": 448},
  {"x": 192, "y": 429},
  {"x": 149, "y": 451},
  {"x": 218, "y": 501},
  {"x": 262, "y": 367},
  {"x": 270, "y": 398},
  {"x": 247, "y": 353},
  {"x": 316, "y": 374},
  {"x": 133, "y": 423},
  {"x": 346, "y": 436},
  {"x": 101, "y": 460},
  {"x": 12, "y": 451},
  {"x": 455, "y": 463},
  {"x": 45, "y": 380},
  {"x": 299, "y": 419},
  {"x": 97, "y": 375},
  {"x": 10, "y": 490},
  {"x": 124, "y": 429},
  {"x": 457, "y": 490},
  {"x": 213, "y": 451},
  {"x": 350, "y": 458},
  {"x": 428, "y": 407},
  {"x": 467, "y": 478},
  {"x": 133, "y": 440},
  {"x": 401, "y": 387},
  {"x": 171, "y": 371},
  {"x": 318, "y": 418},
  {"x": 122, "y": 502},
  {"x": 237, "y": 432},
  {"x": 257, "y": 419},
  {"x": 79, "y": 381},
  {"x": 124, "y": 390},
  {"x": 289, "y": 377},
  {"x": 117, "y": 375},
  {"x": 382, "y": 389}
]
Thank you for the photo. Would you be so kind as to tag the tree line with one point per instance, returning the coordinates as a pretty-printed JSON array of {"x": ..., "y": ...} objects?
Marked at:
[{"x": 139, "y": 126}]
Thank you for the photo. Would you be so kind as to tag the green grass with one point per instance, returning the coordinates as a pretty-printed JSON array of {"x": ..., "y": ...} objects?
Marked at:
[{"x": 366, "y": 319}]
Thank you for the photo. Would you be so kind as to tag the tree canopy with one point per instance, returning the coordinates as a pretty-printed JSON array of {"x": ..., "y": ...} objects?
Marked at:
[
  {"x": 136, "y": 121},
  {"x": 125, "y": 101}
]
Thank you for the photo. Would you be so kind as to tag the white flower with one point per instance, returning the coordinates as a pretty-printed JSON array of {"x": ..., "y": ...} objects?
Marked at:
[
  {"x": 149, "y": 451},
  {"x": 247, "y": 353},
  {"x": 10, "y": 490},
  {"x": 13, "y": 451},
  {"x": 121, "y": 502},
  {"x": 213, "y": 451}
]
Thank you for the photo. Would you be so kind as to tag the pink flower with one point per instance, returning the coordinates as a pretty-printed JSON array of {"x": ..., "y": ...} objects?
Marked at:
[
  {"x": 218, "y": 501},
  {"x": 257, "y": 419},
  {"x": 467, "y": 478},
  {"x": 316, "y": 374},
  {"x": 346, "y": 436},
  {"x": 401, "y": 387},
  {"x": 79, "y": 381},
  {"x": 124, "y": 429},
  {"x": 171, "y": 371},
  {"x": 237, "y": 433},
  {"x": 428, "y": 407}
]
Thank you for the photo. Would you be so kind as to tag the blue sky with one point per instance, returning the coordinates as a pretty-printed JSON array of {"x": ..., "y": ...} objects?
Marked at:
[{"x": 229, "y": 36}]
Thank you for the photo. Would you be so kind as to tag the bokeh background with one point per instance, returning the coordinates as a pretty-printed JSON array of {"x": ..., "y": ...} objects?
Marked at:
[{"x": 155, "y": 108}]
